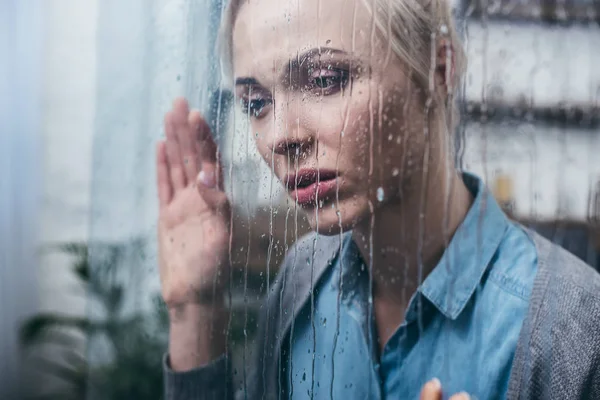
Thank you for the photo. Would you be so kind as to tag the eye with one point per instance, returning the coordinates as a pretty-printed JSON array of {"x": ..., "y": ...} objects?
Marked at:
[
  {"x": 327, "y": 81},
  {"x": 256, "y": 105}
]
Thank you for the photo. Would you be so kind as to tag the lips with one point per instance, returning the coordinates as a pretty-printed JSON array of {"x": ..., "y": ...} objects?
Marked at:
[{"x": 309, "y": 185}]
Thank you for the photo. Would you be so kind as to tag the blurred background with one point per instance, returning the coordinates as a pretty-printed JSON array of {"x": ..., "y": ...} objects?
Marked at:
[{"x": 84, "y": 85}]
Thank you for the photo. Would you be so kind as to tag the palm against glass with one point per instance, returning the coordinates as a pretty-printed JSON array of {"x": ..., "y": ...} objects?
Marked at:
[{"x": 194, "y": 216}]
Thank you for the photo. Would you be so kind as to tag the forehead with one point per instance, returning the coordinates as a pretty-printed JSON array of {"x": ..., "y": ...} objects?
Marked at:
[{"x": 268, "y": 33}]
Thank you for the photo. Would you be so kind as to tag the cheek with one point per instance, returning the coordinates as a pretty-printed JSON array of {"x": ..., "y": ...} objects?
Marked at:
[
  {"x": 261, "y": 134},
  {"x": 385, "y": 135}
]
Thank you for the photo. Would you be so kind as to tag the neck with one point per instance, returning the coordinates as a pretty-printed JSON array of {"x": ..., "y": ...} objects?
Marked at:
[{"x": 400, "y": 246}]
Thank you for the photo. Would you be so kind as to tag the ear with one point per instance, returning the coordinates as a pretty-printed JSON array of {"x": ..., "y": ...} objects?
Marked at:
[{"x": 444, "y": 66}]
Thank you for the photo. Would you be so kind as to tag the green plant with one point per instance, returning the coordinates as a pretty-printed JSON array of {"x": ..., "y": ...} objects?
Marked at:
[{"x": 135, "y": 341}]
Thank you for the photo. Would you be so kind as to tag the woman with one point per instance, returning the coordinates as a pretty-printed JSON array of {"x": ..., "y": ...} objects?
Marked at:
[{"x": 414, "y": 282}]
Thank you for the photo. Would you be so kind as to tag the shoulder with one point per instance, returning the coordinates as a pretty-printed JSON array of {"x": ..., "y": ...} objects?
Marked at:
[
  {"x": 564, "y": 270},
  {"x": 304, "y": 262},
  {"x": 566, "y": 290},
  {"x": 311, "y": 252},
  {"x": 559, "y": 348}
]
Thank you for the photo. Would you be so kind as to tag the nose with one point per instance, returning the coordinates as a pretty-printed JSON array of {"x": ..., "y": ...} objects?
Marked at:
[
  {"x": 294, "y": 146},
  {"x": 295, "y": 135}
]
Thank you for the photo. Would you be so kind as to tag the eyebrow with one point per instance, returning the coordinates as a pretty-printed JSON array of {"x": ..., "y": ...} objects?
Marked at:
[
  {"x": 317, "y": 51},
  {"x": 246, "y": 81},
  {"x": 293, "y": 64}
]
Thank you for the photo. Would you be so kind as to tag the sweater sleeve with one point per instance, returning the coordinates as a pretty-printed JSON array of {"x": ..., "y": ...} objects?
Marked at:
[{"x": 207, "y": 382}]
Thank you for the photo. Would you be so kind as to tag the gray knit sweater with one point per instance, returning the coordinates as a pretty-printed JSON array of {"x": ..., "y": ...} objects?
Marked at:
[{"x": 557, "y": 356}]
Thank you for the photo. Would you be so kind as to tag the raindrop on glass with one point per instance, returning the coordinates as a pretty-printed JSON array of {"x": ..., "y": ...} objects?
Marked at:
[{"x": 380, "y": 193}]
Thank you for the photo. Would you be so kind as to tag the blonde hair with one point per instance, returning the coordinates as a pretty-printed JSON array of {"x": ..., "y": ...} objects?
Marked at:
[{"x": 413, "y": 29}]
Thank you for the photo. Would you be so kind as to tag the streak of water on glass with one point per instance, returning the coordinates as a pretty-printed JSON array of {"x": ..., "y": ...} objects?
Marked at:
[
  {"x": 370, "y": 316},
  {"x": 388, "y": 52},
  {"x": 450, "y": 171},
  {"x": 345, "y": 115},
  {"x": 245, "y": 290},
  {"x": 425, "y": 174},
  {"x": 217, "y": 139},
  {"x": 229, "y": 250},
  {"x": 294, "y": 258},
  {"x": 269, "y": 252},
  {"x": 459, "y": 147},
  {"x": 484, "y": 151},
  {"x": 294, "y": 291},
  {"x": 316, "y": 238}
]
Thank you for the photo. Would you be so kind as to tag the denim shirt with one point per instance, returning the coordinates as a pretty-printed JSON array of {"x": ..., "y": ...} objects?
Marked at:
[{"x": 461, "y": 325}]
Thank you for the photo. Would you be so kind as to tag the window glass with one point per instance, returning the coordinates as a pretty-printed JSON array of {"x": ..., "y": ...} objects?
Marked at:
[{"x": 376, "y": 170}]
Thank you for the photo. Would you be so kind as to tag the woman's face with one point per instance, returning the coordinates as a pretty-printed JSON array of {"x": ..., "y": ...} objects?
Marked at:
[{"x": 332, "y": 109}]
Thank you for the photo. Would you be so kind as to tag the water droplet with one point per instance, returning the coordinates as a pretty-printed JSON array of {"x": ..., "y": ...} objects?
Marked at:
[
  {"x": 390, "y": 137},
  {"x": 342, "y": 133},
  {"x": 444, "y": 29},
  {"x": 328, "y": 41},
  {"x": 320, "y": 203},
  {"x": 380, "y": 193},
  {"x": 395, "y": 172}
]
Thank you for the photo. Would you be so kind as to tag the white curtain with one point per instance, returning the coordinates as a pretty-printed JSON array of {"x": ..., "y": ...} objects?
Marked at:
[{"x": 20, "y": 70}]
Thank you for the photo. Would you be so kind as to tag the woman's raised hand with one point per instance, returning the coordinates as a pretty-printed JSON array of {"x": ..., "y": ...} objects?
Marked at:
[{"x": 194, "y": 216}]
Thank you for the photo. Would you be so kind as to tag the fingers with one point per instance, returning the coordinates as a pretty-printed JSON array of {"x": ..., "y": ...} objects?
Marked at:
[
  {"x": 175, "y": 163},
  {"x": 432, "y": 390},
  {"x": 207, "y": 187},
  {"x": 461, "y": 396},
  {"x": 163, "y": 181},
  {"x": 190, "y": 145},
  {"x": 186, "y": 137},
  {"x": 189, "y": 148},
  {"x": 206, "y": 147}
]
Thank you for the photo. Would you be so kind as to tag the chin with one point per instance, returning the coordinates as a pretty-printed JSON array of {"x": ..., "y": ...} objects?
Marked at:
[{"x": 326, "y": 220}]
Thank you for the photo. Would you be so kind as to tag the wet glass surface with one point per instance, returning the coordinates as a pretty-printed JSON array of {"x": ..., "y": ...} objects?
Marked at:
[{"x": 354, "y": 119}]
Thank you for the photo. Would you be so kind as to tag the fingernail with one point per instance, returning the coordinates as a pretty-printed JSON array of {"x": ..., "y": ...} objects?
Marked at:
[
  {"x": 207, "y": 179},
  {"x": 435, "y": 382}
]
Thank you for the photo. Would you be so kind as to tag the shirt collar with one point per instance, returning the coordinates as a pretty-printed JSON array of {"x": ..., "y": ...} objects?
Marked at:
[{"x": 454, "y": 280}]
